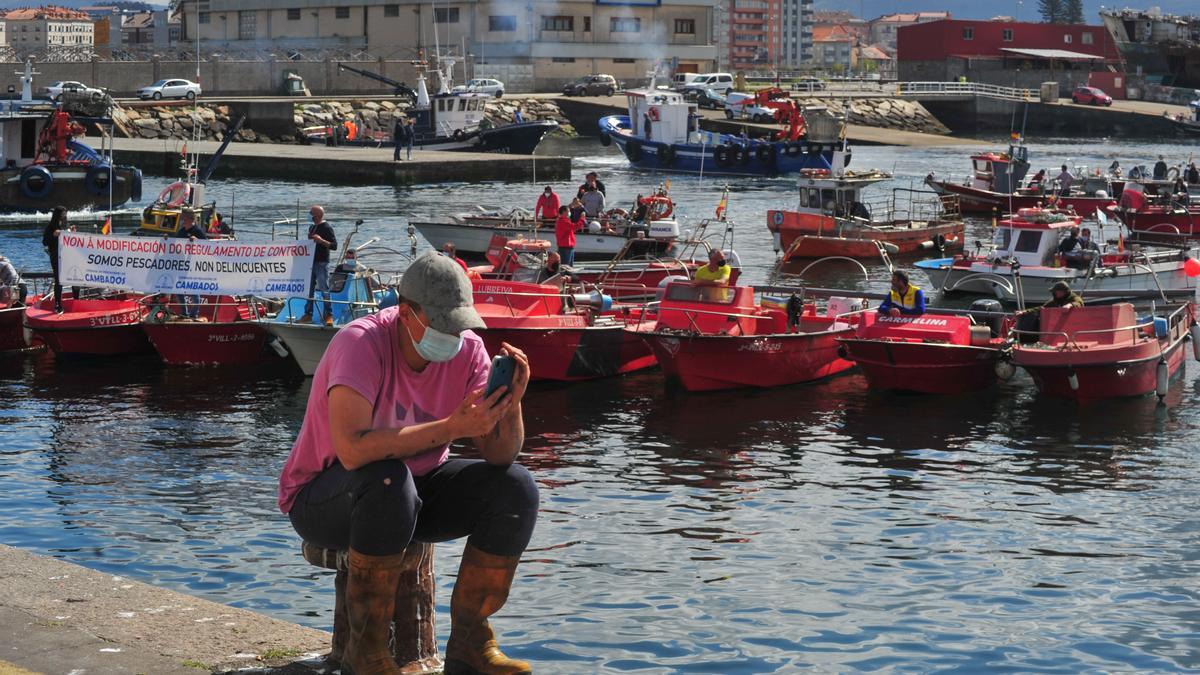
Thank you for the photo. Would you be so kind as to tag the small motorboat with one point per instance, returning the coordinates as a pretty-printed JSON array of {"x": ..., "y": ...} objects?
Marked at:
[
  {"x": 928, "y": 354},
  {"x": 1024, "y": 260},
  {"x": 567, "y": 337},
  {"x": 709, "y": 338},
  {"x": 833, "y": 218},
  {"x": 1152, "y": 208},
  {"x": 97, "y": 323},
  {"x": 227, "y": 331},
  {"x": 1185, "y": 124},
  {"x": 994, "y": 186},
  {"x": 1105, "y": 351}
]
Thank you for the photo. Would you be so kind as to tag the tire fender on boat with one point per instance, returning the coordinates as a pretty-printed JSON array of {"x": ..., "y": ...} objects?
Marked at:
[
  {"x": 92, "y": 180},
  {"x": 633, "y": 150},
  {"x": 458, "y": 135},
  {"x": 605, "y": 139},
  {"x": 744, "y": 155},
  {"x": 666, "y": 155},
  {"x": 766, "y": 155},
  {"x": 35, "y": 171},
  {"x": 721, "y": 155}
]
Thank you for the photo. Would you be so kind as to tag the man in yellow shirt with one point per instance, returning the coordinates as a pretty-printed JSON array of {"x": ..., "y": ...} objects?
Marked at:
[{"x": 715, "y": 273}]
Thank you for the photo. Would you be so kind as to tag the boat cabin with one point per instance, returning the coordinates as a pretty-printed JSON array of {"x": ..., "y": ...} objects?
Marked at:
[
  {"x": 1031, "y": 237},
  {"x": 1000, "y": 171},
  {"x": 660, "y": 115},
  {"x": 448, "y": 113},
  {"x": 836, "y": 195}
]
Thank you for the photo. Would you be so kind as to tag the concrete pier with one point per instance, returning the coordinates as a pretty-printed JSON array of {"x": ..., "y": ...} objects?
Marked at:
[
  {"x": 56, "y": 617},
  {"x": 341, "y": 165}
]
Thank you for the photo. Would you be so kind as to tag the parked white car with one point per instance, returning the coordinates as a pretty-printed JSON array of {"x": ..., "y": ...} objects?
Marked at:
[
  {"x": 735, "y": 109},
  {"x": 55, "y": 91},
  {"x": 170, "y": 89},
  {"x": 718, "y": 83},
  {"x": 481, "y": 85}
]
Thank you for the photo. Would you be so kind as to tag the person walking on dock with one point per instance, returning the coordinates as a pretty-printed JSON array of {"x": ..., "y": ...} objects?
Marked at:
[
  {"x": 323, "y": 235},
  {"x": 403, "y": 137},
  {"x": 547, "y": 205},
  {"x": 370, "y": 470},
  {"x": 58, "y": 223}
]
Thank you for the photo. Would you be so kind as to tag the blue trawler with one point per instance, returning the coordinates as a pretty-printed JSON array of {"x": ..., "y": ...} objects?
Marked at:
[{"x": 667, "y": 137}]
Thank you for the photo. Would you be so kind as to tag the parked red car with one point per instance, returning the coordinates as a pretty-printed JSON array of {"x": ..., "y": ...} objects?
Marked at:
[{"x": 1090, "y": 96}]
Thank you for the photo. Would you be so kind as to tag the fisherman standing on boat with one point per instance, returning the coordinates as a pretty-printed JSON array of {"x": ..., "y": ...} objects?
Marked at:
[
  {"x": 716, "y": 272},
  {"x": 322, "y": 234},
  {"x": 593, "y": 203},
  {"x": 10, "y": 282},
  {"x": 450, "y": 250},
  {"x": 190, "y": 229},
  {"x": 905, "y": 298},
  {"x": 1160, "y": 168},
  {"x": 1065, "y": 181},
  {"x": 58, "y": 223},
  {"x": 591, "y": 181},
  {"x": 547, "y": 205},
  {"x": 370, "y": 471},
  {"x": 1192, "y": 175},
  {"x": 564, "y": 234}
]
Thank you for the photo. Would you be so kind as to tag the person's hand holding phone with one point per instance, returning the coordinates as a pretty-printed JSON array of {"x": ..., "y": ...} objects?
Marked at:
[
  {"x": 520, "y": 379},
  {"x": 477, "y": 415}
]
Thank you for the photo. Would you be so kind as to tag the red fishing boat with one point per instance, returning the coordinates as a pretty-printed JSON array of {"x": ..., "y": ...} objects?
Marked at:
[
  {"x": 226, "y": 332},
  {"x": 96, "y": 324},
  {"x": 994, "y": 186},
  {"x": 567, "y": 337},
  {"x": 1105, "y": 351},
  {"x": 834, "y": 219},
  {"x": 929, "y": 354},
  {"x": 710, "y": 338},
  {"x": 1153, "y": 207}
]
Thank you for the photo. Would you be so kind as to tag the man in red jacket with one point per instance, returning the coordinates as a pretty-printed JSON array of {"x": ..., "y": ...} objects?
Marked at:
[
  {"x": 547, "y": 205},
  {"x": 564, "y": 232}
]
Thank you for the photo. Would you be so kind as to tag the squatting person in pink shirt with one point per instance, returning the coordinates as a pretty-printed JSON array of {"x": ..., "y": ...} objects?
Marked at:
[{"x": 370, "y": 472}]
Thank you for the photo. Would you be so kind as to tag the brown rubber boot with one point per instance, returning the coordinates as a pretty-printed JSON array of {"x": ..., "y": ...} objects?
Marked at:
[
  {"x": 370, "y": 601},
  {"x": 481, "y": 590},
  {"x": 341, "y": 623}
]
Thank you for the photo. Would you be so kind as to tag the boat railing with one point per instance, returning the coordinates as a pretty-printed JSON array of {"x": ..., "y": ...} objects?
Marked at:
[
  {"x": 1093, "y": 273},
  {"x": 357, "y": 308},
  {"x": 256, "y": 307},
  {"x": 544, "y": 299},
  {"x": 1069, "y": 339}
]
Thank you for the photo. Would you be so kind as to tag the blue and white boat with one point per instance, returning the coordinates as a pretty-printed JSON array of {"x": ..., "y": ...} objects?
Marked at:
[{"x": 668, "y": 138}]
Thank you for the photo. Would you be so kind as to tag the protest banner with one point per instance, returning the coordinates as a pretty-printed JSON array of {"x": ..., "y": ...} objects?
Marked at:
[{"x": 200, "y": 267}]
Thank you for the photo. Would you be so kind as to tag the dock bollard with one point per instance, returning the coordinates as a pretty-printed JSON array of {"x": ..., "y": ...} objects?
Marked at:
[{"x": 414, "y": 642}]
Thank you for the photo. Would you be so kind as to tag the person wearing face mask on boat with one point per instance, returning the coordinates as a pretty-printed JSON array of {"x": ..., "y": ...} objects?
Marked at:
[
  {"x": 547, "y": 206},
  {"x": 370, "y": 470},
  {"x": 905, "y": 299}
]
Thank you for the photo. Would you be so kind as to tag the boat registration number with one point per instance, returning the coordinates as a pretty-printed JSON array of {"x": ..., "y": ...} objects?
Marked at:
[
  {"x": 760, "y": 346},
  {"x": 116, "y": 319},
  {"x": 244, "y": 337}
]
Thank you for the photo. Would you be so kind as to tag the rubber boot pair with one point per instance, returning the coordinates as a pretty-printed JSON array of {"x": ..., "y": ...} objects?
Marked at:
[{"x": 480, "y": 591}]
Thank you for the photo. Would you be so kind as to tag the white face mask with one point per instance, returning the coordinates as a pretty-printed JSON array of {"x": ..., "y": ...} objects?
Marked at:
[{"x": 435, "y": 345}]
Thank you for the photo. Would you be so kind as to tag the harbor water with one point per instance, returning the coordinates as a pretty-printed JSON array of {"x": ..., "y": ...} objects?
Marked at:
[{"x": 819, "y": 526}]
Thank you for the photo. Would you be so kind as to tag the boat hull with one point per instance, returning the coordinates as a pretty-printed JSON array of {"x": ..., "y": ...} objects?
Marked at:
[
  {"x": 802, "y": 236},
  {"x": 305, "y": 342},
  {"x": 89, "y": 327},
  {"x": 1161, "y": 221},
  {"x": 201, "y": 343},
  {"x": 512, "y": 139},
  {"x": 1036, "y": 282},
  {"x": 979, "y": 201},
  {"x": 13, "y": 335},
  {"x": 475, "y": 239},
  {"x": 70, "y": 188},
  {"x": 572, "y": 354},
  {"x": 717, "y": 362},
  {"x": 924, "y": 368},
  {"x": 1100, "y": 374}
]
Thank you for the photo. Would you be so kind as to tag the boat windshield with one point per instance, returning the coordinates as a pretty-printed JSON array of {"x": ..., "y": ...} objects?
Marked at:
[
  {"x": 722, "y": 295},
  {"x": 1003, "y": 238}
]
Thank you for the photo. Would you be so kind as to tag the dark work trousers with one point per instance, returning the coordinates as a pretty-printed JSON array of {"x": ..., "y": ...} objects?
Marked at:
[
  {"x": 380, "y": 508},
  {"x": 57, "y": 286}
]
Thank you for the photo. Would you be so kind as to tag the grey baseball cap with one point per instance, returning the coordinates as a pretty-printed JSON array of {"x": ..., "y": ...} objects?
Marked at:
[{"x": 441, "y": 288}]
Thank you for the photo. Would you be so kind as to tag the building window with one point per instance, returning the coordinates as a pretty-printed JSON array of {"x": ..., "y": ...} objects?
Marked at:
[
  {"x": 293, "y": 14},
  {"x": 1086, "y": 39},
  {"x": 624, "y": 24},
  {"x": 564, "y": 24},
  {"x": 587, "y": 24},
  {"x": 1067, "y": 39},
  {"x": 502, "y": 24},
  {"x": 202, "y": 17},
  {"x": 1007, "y": 35},
  {"x": 247, "y": 25},
  {"x": 445, "y": 15},
  {"x": 624, "y": 60},
  {"x": 968, "y": 33},
  {"x": 685, "y": 26},
  {"x": 341, "y": 12},
  {"x": 562, "y": 59},
  {"x": 391, "y": 10}
]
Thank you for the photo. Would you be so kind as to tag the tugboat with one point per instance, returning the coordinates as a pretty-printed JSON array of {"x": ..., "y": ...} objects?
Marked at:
[
  {"x": 446, "y": 121},
  {"x": 833, "y": 219},
  {"x": 1106, "y": 351},
  {"x": 43, "y": 166},
  {"x": 661, "y": 132}
]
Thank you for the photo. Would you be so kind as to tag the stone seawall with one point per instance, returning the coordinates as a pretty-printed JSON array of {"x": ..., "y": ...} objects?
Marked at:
[{"x": 885, "y": 113}]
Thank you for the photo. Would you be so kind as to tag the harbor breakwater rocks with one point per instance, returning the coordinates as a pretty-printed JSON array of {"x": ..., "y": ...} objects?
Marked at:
[
  {"x": 884, "y": 113},
  {"x": 179, "y": 122}
]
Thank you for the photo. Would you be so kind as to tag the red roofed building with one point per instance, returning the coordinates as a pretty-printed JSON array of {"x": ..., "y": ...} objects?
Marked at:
[
  {"x": 885, "y": 28},
  {"x": 834, "y": 48},
  {"x": 49, "y": 26}
]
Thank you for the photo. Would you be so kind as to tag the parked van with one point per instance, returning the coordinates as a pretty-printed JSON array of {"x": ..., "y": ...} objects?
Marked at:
[
  {"x": 718, "y": 83},
  {"x": 682, "y": 80}
]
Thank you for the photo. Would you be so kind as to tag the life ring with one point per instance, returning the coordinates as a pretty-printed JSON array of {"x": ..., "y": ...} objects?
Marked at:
[
  {"x": 666, "y": 155},
  {"x": 658, "y": 199},
  {"x": 633, "y": 150},
  {"x": 744, "y": 155},
  {"x": 766, "y": 154},
  {"x": 652, "y": 113},
  {"x": 605, "y": 139},
  {"x": 95, "y": 173},
  {"x": 809, "y": 173},
  {"x": 793, "y": 149},
  {"x": 458, "y": 135},
  {"x": 1174, "y": 169},
  {"x": 33, "y": 172},
  {"x": 777, "y": 218},
  {"x": 721, "y": 155},
  {"x": 174, "y": 195}
]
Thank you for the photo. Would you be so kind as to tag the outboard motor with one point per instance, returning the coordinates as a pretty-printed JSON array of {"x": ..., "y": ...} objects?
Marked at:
[
  {"x": 989, "y": 305},
  {"x": 661, "y": 291},
  {"x": 596, "y": 300}
]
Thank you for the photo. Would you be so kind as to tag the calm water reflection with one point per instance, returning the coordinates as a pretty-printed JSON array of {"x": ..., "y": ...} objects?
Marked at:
[{"x": 819, "y": 526}]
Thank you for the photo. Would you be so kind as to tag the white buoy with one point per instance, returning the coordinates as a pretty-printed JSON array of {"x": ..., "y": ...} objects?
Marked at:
[
  {"x": 277, "y": 345},
  {"x": 891, "y": 248},
  {"x": 1073, "y": 380},
  {"x": 1164, "y": 383},
  {"x": 1196, "y": 341},
  {"x": 1005, "y": 369}
]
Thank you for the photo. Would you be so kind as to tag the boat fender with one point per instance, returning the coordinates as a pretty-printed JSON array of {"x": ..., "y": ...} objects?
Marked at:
[
  {"x": 135, "y": 186},
  {"x": 32, "y": 172},
  {"x": 633, "y": 150},
  {"x": 891, "y": 248},
  {"x": 842, "y": 352},
  {"x": 666, "y": 155},
  {"x": 1164, "y": 379},
  {"x": 744, "y": 155},
  {"x": 1073, "y": 380},
  {"x": 458, "y": 135},
  {"x": 1196, "y": 341},
  {"x": 778, "y": 240},
  {"x": 605, "y": 139},
  {"x": 95, "y": 174},
  {"x": 1005, "y": 369},
  {"x": 766, "y": 155},
  {"x": 721, "y": 155},
  {"x": 278, "y": 346}
]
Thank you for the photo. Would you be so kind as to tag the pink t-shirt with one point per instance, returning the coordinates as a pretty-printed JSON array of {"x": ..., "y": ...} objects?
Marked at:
[{"x": 365, "y": 356}]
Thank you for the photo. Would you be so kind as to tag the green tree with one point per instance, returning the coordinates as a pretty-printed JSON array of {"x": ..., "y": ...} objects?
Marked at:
[
  {"x": 1073, "y": 11},
  {"x": 1051, "y": 10}
]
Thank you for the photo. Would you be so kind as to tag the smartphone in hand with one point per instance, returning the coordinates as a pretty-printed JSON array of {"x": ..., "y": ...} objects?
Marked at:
[{"x": 503, "y": 370}]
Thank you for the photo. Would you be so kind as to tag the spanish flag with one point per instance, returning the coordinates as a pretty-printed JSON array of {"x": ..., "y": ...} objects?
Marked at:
[
  {"x": 213, "y": 224},
  {"x": 1015, "y": 136},
  {"x": 723, "y": 205},
  {"x": 1121, "y": 241},
  {"x": 106, "y": 229}
]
